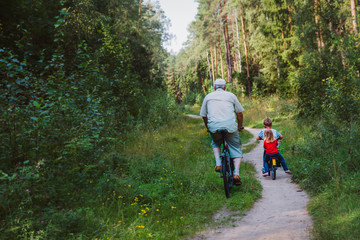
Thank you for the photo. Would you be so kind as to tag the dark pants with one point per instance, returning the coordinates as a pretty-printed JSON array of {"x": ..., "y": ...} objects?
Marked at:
[{"x": 267, "y": 157}]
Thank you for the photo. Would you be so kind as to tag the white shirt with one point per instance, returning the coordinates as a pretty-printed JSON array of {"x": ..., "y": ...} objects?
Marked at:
[{"x": 220, "y": 108}]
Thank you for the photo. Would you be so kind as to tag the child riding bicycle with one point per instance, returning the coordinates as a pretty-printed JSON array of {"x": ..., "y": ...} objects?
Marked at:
[
  {"x": 271, "y": 150},
  {"x": 272, "y": 145}
]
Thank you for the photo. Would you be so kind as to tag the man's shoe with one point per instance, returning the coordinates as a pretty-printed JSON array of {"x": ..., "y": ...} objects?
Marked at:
[
  {"x": 237, "y": 180},
  {"x": 265, "y": 174},
  {"x": 217, "y": 168},
  {"x": 288, "y": 171}
]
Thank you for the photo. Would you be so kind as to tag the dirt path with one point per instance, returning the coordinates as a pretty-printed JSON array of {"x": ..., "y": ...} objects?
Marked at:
[{"x": 280, "y": 214}]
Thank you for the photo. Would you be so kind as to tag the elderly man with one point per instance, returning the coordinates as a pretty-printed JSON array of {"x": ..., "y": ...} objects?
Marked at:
[{"x": 218, "y": 110}]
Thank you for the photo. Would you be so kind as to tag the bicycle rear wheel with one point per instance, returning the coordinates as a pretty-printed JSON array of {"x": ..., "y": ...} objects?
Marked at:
[
  {"x": 226, "y": 175},
  {"x": 273, "y": 173},
  {"x": 273, "y": 169}
]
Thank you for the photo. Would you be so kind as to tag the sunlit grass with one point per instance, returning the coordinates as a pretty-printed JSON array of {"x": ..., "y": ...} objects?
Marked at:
[
  {"x": 336, "y": 214},
  {"x": 255, "y": 110},
  {"x": 168, "y": 188},
  {"x": 180, "y": 192}
]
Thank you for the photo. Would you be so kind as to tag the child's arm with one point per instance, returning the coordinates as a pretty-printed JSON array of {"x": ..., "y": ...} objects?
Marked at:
[
  {"x": 278, "y": 135},
  {"x": 260, "y": 136}
]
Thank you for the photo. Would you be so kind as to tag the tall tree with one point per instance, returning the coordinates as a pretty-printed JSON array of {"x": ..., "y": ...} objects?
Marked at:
[
  {"x": 354, "y": 16},
  {"x": 245, "y": 50},
  {"x": 225, "y": 32},
  {"x": 238, "y": 41}
]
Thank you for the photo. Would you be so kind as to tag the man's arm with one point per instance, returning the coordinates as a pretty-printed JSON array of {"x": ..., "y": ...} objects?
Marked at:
[
  {"x": 239, "y": 117},
  {"x": 205, "y": 119}
]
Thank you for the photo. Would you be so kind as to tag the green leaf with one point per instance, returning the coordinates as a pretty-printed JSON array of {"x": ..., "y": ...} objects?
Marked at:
[
  {"x": 34, "y": 118},
  {"x": 36, "y": 104}
]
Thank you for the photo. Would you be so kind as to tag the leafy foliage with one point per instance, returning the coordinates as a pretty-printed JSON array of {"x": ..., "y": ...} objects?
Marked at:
[{"x": 77, "y": 77}]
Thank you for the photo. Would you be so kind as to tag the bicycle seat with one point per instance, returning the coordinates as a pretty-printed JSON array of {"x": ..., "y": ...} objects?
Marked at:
[{"x": 221, "y": 131}]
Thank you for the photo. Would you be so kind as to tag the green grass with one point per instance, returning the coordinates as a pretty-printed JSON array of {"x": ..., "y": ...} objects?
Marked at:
[
  {"x": 324, "y": 170},
  {"x": 161, "y": 184},
  {"x": 169, "y": 189},
  {"x": 194, "y": 109},
  {"x": 336, "y": 212},
  {"x": 255, "y": 110}
]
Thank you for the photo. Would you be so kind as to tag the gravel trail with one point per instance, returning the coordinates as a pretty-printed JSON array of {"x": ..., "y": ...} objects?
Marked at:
[{"x": 281, "y": 213}]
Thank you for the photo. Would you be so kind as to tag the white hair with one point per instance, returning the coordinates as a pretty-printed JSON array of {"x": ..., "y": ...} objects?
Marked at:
[{"x": 220, "y": 86}]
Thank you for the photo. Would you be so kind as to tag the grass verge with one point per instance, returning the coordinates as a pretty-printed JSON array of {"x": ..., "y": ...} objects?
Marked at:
[
  {"x": 322, "y": 159},
  {"x": 168, "y": 188}
]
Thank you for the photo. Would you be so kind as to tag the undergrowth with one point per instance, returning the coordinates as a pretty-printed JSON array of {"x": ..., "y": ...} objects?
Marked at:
[
  {"x": 323, "y": 155},
  {"x": 159, "y": 184}
]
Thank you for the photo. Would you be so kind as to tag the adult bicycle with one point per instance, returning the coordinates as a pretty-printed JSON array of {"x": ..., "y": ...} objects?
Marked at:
[{"x": 227, "y": 166}]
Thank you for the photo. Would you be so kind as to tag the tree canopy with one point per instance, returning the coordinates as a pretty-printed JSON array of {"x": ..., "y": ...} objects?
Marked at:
[{"x": 302, "y": 49}]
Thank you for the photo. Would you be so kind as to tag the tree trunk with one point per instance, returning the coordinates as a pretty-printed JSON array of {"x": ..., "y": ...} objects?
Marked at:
[
  {"x": 238, "y": 41},
  {"x": 221, "y": 61},
  {"x": 246, "y": 51},
  {"x": 354, "y": 16},
  {"x": 290, "y": 20},
  {"x": 138, "y": 26},
  {"x": 216, "y": 65},
  {"x": 228, "y": 56},
  {"x": 212, "y": 64},
  {"x": 203, "y": 84},
  {"x": 318, "y": 33},
  {"x": 234, "y": 57},
  {"x": 226, "y": 43},
  {"x": 207, "y": 57}
]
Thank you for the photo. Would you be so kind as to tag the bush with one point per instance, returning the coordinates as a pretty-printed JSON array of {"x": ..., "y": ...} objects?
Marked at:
[{"x": 193, "y": 98}]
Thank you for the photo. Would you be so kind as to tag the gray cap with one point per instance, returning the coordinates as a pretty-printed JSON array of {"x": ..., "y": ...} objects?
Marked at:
[{"x": 220, "y": 82}]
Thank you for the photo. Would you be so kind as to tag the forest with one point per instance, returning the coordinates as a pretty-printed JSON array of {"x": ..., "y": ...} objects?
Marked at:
[{"x": 89, "y": 95}]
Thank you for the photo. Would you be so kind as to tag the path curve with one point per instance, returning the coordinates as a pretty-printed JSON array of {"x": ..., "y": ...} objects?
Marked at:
[{"x": 281, "y": 213}]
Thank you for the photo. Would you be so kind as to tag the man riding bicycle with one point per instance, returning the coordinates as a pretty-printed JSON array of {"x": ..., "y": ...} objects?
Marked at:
[{"x": 218, "y": 110}]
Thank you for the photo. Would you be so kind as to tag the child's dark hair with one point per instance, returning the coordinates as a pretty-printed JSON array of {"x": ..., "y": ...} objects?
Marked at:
[{"x": 267, "y": 122}]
